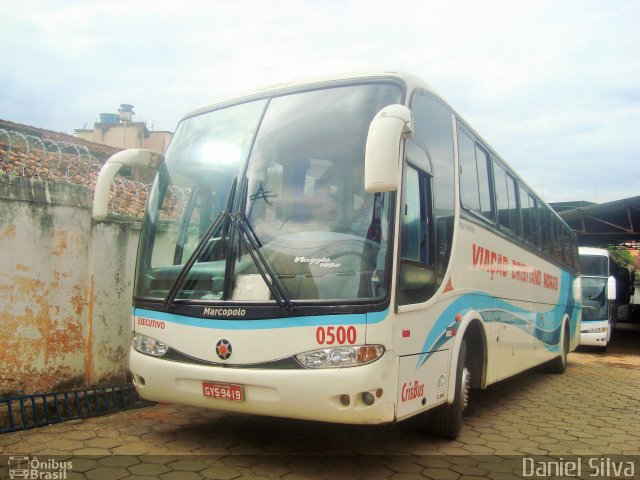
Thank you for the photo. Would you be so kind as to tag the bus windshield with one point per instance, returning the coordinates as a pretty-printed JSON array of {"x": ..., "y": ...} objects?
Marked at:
[
  {"x": 594, "y": 265},
  {"x": 268, "y": 196},
  {"x": 594, "y": 298}
]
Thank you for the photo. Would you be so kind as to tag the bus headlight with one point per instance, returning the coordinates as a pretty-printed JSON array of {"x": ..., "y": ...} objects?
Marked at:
[
  {"x": 148, "y": 345},
  {"x": 595, "y": 330},
  {"x": 340, "y": 356}
]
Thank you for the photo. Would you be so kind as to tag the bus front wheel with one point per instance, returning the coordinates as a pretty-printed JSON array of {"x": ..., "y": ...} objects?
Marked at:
[{"x": 446, "y": 421}]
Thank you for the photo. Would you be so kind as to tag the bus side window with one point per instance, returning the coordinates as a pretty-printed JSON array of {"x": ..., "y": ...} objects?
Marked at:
[
  {"x": 484, "y": 182},
  {"x": 544, "y": 229},
  {"x": 469, "y": 190},
  {"x": 558, "y": 249},
  {"x": 535, "y": 223},
  {"x": 506, "y": 204},
  {"x": 414, "y": 228},
  {"x": 568, "y": 251},
  {"x": 475, "y": 176},
  {"x": 416, "y": 278},
  {"x": 529, "y": 211},
  {"x": 574, "y": 253},
  {"x": 548, "y": 219}
]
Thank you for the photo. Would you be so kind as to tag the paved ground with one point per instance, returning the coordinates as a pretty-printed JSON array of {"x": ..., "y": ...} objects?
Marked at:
[{"x": 589, "y": 414}]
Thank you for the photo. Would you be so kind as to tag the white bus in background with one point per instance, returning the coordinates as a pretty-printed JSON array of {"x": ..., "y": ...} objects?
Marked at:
[
  {"x": 344, "y": 249},
  {"x": 598, "y": 270}
]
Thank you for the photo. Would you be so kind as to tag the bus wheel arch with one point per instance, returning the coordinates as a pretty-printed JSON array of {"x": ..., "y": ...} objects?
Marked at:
[
  {"x": 475, "y": 338},
  {"x": 559, "y": 363},
  {"x": 465, "y": 373},
  {"x": 446, "y": 420}
]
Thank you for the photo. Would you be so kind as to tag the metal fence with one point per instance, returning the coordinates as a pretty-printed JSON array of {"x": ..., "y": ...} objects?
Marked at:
[{"x": 29, "y": 411}]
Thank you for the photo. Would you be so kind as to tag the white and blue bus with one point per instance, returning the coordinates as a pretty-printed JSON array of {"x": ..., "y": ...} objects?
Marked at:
[
  {"x": 600, "y": 285},
  {"x": 344, "y": 249}
]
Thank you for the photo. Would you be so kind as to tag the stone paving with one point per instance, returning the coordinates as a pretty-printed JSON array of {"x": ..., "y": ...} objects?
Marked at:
[{"x": 590, "y": 412}]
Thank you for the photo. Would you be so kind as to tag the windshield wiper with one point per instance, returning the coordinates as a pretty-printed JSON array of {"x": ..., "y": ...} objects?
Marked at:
[
  {"x": 223, "y": 216},
  {"x": 252, "y": 244},
  {"x": 175, "y": 288},
  {"x": 235, "y": 223}
]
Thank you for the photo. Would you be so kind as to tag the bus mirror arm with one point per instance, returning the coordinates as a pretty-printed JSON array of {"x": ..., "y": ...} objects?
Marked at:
[
  {"x": 137, "y": 157},
  {"x": 384, "y": 147}
]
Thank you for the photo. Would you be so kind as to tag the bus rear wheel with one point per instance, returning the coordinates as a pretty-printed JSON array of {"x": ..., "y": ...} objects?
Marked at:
[
  {"x": 559, "y": 364},
  {"x": 446, "y": 421}
]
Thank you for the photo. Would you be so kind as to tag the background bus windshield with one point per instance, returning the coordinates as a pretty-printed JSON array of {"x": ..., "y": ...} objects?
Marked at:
[{"x": 594, "y": 265}]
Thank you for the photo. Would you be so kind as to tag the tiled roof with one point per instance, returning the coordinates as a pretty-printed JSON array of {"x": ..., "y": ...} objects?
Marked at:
[{"x": 58, "y": 137}]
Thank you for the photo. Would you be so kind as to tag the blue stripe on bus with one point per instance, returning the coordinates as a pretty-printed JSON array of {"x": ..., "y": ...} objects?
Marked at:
[
  {"x": 494, "y": 309},
  {"x": 316, "y": 320}
]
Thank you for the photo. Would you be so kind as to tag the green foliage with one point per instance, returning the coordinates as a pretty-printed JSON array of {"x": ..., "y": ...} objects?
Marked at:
[{"x": 623, "y": 257}]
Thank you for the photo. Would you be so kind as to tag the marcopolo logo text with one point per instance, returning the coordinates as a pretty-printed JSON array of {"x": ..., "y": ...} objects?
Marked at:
[{"x": 225, "y": 312}]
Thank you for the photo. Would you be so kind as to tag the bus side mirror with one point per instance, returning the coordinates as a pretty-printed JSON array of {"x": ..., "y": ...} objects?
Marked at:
[
  {"x": 383, "y": 149},
  {"x": 577, "y": 289},
  {"x": 611, "y": 288},
  {"x": 138, "y": 157}
]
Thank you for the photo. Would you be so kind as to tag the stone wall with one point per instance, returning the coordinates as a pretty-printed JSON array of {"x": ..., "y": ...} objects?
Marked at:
[{"x": 65, "y": 288}]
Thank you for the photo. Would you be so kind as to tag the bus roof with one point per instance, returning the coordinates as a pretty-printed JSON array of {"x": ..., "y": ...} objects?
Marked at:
[
  {"x": 409, "y": 80},
  {"x": 601, "y": 252}
]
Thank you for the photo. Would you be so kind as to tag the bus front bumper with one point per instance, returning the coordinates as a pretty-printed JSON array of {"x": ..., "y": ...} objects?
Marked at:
[
  {"x": 303, "y": 394},
  {"x": 595, "y": 334}
]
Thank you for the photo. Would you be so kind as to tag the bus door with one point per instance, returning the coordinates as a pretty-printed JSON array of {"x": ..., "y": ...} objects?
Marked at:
[{"x": 418, "y": 379}]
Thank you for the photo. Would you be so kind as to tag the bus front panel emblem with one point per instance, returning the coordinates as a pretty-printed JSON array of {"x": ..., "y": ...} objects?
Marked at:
[{"x": 223, "y": 349}]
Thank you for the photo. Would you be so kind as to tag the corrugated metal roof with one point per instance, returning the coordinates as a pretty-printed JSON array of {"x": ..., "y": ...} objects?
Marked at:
[{"x": 606, "y": 224}]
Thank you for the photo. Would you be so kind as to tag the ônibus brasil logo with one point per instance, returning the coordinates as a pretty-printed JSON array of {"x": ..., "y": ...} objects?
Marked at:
[
  {"x": 224, "y": 349},
  {"x": 27, "y": 467}
]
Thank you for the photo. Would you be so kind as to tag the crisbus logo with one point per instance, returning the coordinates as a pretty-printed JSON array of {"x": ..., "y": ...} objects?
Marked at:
[
  {"x": 225, "y": 312},
  {"x": 412, "y": 390}
]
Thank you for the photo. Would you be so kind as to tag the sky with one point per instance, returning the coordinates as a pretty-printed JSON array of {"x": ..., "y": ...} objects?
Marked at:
[{"x": 552, "y": 85}]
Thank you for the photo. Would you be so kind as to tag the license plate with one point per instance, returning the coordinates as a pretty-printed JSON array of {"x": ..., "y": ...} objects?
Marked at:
[{"x": 226, "y": 391}]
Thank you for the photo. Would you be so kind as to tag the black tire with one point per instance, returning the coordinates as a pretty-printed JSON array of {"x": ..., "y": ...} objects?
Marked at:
[
  {"x": 446, "y": 421},
  {"x": 559, "y": 364}
]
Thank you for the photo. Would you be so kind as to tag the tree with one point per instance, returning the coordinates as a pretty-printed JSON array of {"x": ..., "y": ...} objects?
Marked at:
[{"x": 623, "y": 257}]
